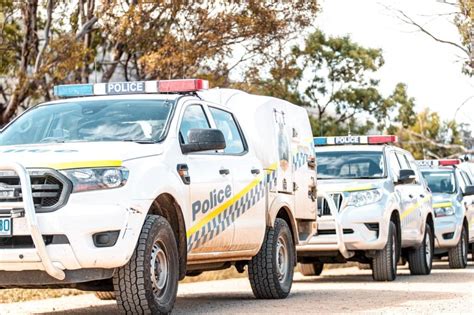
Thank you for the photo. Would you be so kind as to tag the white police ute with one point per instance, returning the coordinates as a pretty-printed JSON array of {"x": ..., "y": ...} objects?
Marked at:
[
  {"x": 374, "y": 207},
  {"x": 453, "y": 204},
  {"x": 126, "y": 188}
]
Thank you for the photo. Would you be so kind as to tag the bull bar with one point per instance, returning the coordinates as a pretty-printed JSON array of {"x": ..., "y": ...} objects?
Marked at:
[{"x": 30, "y": 214}]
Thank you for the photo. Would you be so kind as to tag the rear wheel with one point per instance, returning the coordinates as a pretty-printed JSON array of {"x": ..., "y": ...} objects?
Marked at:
[
  {"x": 421, "y": 259},
  {"x": 458, "y": 254},
  {"x": 105, "y": 295},
  {"x": 384, "y": 264},
  {"x": 148, "y": 283},
  {"x": 312, "y": 269},
  {"x": 271, "y": 270}
]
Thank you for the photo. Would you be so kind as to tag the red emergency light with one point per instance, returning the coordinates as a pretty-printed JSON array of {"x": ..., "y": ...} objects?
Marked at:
[
  {"x": 184, "y": 85},
  {"x": 382, "y": 139},
  {"x": 448, "y": 162}
]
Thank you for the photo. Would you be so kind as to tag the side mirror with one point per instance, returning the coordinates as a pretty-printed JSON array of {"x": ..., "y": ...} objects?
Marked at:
[
  {"x": 468, "y": 191},
  {"x": 406, "y": 177},
  {"x": 204, "y": 140}
]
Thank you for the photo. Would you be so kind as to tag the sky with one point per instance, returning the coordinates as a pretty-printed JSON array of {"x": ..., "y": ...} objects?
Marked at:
[{"x": 430, "y": 69}]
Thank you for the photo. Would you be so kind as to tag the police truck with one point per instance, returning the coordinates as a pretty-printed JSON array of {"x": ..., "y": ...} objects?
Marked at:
[{"x": 127, "y": 187}]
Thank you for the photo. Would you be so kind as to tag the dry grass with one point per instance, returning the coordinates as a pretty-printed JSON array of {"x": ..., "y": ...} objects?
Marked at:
[{"x": 20, "y": 295}]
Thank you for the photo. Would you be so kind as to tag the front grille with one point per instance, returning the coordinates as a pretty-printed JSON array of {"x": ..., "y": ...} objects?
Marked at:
[
  {"x": 323, "y": 207},
  {"x": 50, "y": 189},
  {"x": 333, "y": 231},
  {"x": 25, "y": 241}
]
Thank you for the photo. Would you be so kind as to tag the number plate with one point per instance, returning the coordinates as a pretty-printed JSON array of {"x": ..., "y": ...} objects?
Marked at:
[{"x": 5, "y": 227}]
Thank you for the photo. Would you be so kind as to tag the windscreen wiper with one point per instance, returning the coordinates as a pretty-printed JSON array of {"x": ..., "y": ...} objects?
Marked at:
[{"x": 141, "y": 141}]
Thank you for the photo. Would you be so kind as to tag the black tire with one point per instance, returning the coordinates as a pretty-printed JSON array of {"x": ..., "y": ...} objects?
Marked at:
[
  {"x": 384, "y": 264},
  {"x": 420, "y": 260},
  {"x": 458, "y": 255},
  {"x": 105, "y": 295},
  {"x": 271, "y": 270},
  {"x": 137, "y": 289},
  {"x": 312, "y": 269}
]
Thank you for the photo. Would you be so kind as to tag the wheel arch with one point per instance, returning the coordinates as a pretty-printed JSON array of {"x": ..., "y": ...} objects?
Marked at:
[
  {"x": 395, "y": 218},
  {"x": 166, "y": 206},
  {"x": 285, "y": 214}
]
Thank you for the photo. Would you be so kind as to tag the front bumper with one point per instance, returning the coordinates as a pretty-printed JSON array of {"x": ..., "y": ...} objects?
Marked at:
[
  {"x": 447, "y": 231},
  {"x": 78, "y": 220},
  {"x": 352, "y": 230}
]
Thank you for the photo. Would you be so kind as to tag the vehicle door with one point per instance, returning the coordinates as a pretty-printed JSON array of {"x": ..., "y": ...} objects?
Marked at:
[
  {"x": 468, "y": 201},
  {"x": 408, "y": 196},
  {"x": 210, "y": 188},
  {"x": 247, "y": 211}
]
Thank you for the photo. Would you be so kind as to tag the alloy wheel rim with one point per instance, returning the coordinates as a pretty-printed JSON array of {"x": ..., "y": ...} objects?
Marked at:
[
  {"x": 159, "y": 268},
  {"x": 428, "y": 249},
  {"x": 394, "y": 252},
  {"x": 463, "y": 246},
  {"x": 282, "y": 259}
]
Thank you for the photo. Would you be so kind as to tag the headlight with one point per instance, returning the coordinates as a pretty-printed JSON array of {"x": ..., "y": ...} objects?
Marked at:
[
  {"x": 444, "y": 211},
  {"x": 85, "y": 179},
  {"x": 364, "y": 197}
]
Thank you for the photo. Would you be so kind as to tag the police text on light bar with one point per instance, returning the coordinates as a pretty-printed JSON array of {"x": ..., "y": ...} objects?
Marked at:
[
  {"x": 435, "y": 163},
  {"x": 344, "y": 140},
  {"x": 133, "y": 87}
]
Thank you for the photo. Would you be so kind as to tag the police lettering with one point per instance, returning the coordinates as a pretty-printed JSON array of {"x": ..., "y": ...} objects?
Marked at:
[
  {"x": 215, "y": 198},
  {"x": 126, "y": 87},
  {"x": 347, "y": 140}
]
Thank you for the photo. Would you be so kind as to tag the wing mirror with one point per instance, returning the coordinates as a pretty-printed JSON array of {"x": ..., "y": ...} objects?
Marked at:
[
  {"x": 204, "y": 140},
  {"x": 406, "y": 176},
  {"x": 468, "y": 191}
]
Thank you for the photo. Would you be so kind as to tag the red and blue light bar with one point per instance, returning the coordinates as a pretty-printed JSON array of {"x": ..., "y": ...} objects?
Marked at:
[
  {"x": 133, "y": 87},
  {"x": 435, "y": 163},
  {"x": 345, "y": 140}
]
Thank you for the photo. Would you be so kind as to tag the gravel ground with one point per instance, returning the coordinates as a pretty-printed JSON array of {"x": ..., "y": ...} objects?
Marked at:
[{"x": 337, "y": 291}]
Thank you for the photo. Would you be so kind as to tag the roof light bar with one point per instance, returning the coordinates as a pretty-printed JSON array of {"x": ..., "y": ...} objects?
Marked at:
[
  {"x": 344, "y": 140},
  {"x": 435, "y": 163},
  {"x": 133, "y": 87}
]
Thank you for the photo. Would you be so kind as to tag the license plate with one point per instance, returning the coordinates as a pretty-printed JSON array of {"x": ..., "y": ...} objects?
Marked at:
[
  {"x": 7, "y": 193},
  {"x": 5, "y": 227}
]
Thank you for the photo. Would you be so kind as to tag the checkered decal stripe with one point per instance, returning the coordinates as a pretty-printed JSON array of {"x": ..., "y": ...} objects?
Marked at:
[
  {"x": 225, "y": 219},
  {"x": 299, "y": 159}
]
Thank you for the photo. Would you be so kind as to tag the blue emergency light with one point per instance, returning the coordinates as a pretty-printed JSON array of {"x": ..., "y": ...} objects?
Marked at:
[{"x": 133, "y": 87}]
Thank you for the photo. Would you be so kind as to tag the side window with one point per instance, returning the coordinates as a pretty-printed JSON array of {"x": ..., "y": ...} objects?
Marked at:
[
  {"x": 402, "y": 159},
  {"x": 464, "y": 180},
  {"x": 193, "y": 118},
  {"x": 225, "y": 122}
]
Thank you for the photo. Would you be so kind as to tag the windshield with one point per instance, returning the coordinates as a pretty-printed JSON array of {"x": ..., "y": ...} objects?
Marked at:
[
  {"x": 440, "y": 182},
  {"x": 350, "y": 164},
  {"x": 98, "y": 120}
]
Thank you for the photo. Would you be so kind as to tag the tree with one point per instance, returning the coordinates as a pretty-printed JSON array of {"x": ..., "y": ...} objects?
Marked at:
[{"x": 50, "y": 42}]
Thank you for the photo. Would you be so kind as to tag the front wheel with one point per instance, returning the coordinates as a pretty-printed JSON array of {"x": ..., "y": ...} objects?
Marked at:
[
  {"x": 271, "y": 270},
  {"x": 148, "y": 283},
  {"x": 421, "y": 259},
  {"x": 458, "y": 254},
  {"x": 312, "y": 269},
  {"x": 384, "y": 264}
]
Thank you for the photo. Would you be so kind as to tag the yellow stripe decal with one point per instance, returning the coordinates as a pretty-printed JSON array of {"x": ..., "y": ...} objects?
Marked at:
[
  {"x": 229, "y": 202},
  {"x": 366, "y": 187},
  {"x": 85, "y": 164},
  {"x": 442, "y": 205},
  {"x": 412, "y": 208}
]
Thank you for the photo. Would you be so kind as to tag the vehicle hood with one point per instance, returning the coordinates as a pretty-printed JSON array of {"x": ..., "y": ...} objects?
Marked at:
[
  {"x": 77, "y": 155},
  {"x": 442, "y": 198},
  {"x": 340, "y": 185}
]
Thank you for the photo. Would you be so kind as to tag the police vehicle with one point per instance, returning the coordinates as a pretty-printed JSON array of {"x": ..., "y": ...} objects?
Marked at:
[
  {"x": 453, "y": 198},
  {"x": 126, "y": 188},
  {"x": 377, "y": 208}
]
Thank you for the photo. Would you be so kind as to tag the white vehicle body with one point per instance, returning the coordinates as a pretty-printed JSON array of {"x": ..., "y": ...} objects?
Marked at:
[
  {"x": 453, "y": 210},
  {"x": 357, "y": 232},
  {"x": 219, "y": 205}
]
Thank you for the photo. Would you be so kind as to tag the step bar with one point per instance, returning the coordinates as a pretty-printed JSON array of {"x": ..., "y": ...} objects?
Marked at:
[{"x": 28, "y": 205}]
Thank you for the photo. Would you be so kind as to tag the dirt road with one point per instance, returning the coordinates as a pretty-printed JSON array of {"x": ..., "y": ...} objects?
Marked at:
[{"x": 338, "y": 290}]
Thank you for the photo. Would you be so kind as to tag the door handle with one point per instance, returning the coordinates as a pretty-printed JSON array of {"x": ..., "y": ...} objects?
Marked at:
[
  {"x": 255, "y": 171},
  {"x": 422, "y": 196},
  {"x": 411, "y": 196},
  {"x": 224, "y": 171}
]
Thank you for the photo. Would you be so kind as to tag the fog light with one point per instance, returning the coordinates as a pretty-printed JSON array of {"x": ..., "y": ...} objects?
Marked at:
[{"x": 105, "y": 239}]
